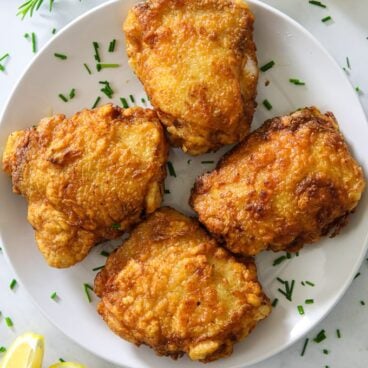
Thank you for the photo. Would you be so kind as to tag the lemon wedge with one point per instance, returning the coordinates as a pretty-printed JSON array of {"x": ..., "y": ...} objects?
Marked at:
[
  {"x": 25, "y": 352},
  {"x": 67, "y": 365}
]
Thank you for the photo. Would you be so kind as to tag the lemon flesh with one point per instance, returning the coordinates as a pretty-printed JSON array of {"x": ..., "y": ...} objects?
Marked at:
[{"x": 25, "y": 352}]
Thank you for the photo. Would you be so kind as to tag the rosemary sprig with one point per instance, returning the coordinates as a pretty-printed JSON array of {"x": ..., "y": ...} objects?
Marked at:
[{"x": 30, "y": 6}]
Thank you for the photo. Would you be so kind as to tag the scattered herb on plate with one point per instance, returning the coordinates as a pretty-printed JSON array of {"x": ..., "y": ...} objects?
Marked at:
[
  {"x": 297, "y": 82},
  {"x": 124, "y": 102},
  {"x": 107, "y": 90},
  {"x": 317, "y": 3},
  {"x": 87, "y": 289},
  {"x": 60, "y": 56},
  {"x": 320, "y": 336},
  {"x": 304, "y": 347},
  {"x": 267, "y": 66},
  {"x": 13, "y": 284},
  {"x": 267, "y": 104},
  {"x": 96, "y": 102},
  {"x": 170, "y": 166},
  {"x": 326, "y": 19}
]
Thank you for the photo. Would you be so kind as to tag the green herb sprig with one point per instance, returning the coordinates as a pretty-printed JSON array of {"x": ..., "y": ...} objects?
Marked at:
[{"x": 31, "y": 6}]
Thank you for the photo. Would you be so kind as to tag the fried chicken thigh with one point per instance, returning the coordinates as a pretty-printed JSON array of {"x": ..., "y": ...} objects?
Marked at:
[
  {"x": 288, "y": 183},
  {"x": 171, "y": 287},
  {"x": 87, "y": 178},
  {"x": 197, "y": 62}
]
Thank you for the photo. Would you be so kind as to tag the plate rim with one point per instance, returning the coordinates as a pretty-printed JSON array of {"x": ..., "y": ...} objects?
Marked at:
[{"x": 360, "y": 258}]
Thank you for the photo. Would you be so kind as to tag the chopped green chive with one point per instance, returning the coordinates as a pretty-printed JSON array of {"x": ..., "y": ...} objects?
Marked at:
[
  {"x": 289, "y": 287},
  {"x": 87, "y": 68},
  {"x": 325, "y": 351},
  {"x": 362, "y": 302},
  {"x": 304, "y": 347},
  {"x": 288, "y": 255},
  {"x": 98, "y": 268},
  {"x": 100, "y": 66},
  {"x": 143, "y": 100},
  {"x": 4, "y": 56},
  {"x": 297, "y": 82},
  {"x": 357, "y": 275},
  {"x": 338, "y": 333},
  {"x": 2, "y": 68},
  {"x": 300, "y": 310},
  {"x": 302, "y": 282},
  {"x": 171, "y": 169},
  {"x": 124, "y": 102},
  {"x": 207, "y": 162},
  {"x": 9, "y": 322},
  {"x": 309, "y": 301},
  {"x": 132, "y": 98},
  {"x": 167, "y": 191},
  {"x": 13, "y": 284},
  {"x": 51, "y": 5},
  {"x": 358, "y": 90},
  {"x": 96, "y": 102},
  {"x": 97, "y": 54},
  {"x": 348, "y": 62},
  {"x": 320, "y": 336},
  {"x": 60, "y": 56},
  {"x": 2, "y": 349},
  {"x": 112, "y": 46},
  {"x": 87, "y": 288},
  {"x": 267, "y": 104},
  {"x": 53, "y": 31},
  {"x": 309, "y": 283},
  {"x": 267, "y": 66},
  {"x": 115, "y": 226},
  {"x": 107, "y": 90},
  {"x": 326, "y": 19},
  {"x": 54, "y": 296},
  {"x": 274, "y": 303},
  {"x": 104, "y": 253},
  {"x": 279, "y": 260},
  {"x": 34, "y": 43},
  {"x": 62, "y": 97},
  {"x": 72, "y": 93},
  {"x": 61, "y": 360},
  {"x": 317, "y": 3}
]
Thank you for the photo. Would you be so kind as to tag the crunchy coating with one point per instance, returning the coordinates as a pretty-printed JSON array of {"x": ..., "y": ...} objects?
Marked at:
[
  {"x": 87, "y": 178},
  {"x": 288, "y": 183},
  {"x": 197, "y": 61},
  {"x": 171, "y": 287}
]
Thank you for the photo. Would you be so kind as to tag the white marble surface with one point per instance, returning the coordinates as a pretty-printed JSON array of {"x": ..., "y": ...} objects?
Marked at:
[{"x": 346, "y": 36}]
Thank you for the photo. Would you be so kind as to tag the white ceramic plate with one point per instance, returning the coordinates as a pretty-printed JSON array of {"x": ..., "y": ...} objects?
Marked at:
[{"x": 330, "y": 265}]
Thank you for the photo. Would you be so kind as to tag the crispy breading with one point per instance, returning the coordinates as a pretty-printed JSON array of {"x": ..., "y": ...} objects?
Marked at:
[
  {"x": 87, "y": 178},
  {"x": 171, "y": 287},
  {"x": 288, "y": 183},
  {"x": 197, "y": 62}
]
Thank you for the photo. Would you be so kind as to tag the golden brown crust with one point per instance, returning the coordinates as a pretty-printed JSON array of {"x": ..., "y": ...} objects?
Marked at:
[
  {"x": 197, "y": 62},
  {"x": 171, "y": 287},
  {"x": 83, "y": 174},
  {"x": 288, "y": 183}
]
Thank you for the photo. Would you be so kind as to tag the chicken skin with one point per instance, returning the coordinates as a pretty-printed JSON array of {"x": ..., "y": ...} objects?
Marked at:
[
  {"x": 288, "y": 183},
  {"x": 87, "y": 178},
  {"x": 171, "y": 287},
  {"x": 197, "y": 62}
]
